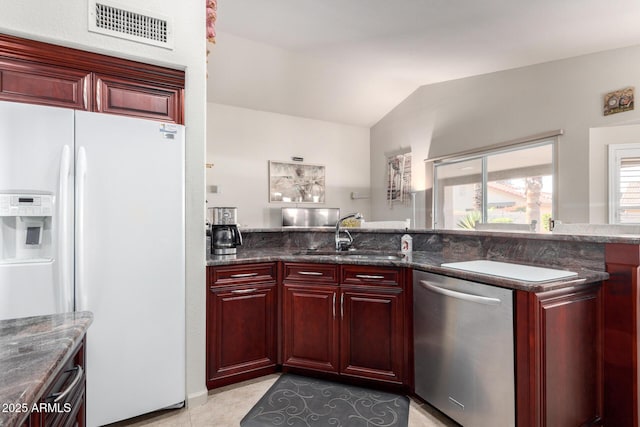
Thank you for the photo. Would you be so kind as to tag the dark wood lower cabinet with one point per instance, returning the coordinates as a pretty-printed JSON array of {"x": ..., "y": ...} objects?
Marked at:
[
  {"x": 621, "y": 329},
  {"x": 372, "y": 334},
  {"x": 559, "y": 370},
  {"x": 241, "y": 338},
  {"x": 242, "y": 310},
  {"x": 311, "y": 327},
  {"x": 355, "y": 322},
  {"x": 352, "y": 323},
  {"x": 359, "y": 330},
  {"x": 63, "y": 403}
]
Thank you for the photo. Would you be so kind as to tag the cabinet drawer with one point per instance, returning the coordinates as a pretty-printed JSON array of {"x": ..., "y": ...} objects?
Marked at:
[
  {"x": 314, "y": 273},
  {"x": 370, "y": 275},
  {"x": 239, "y": 274}
]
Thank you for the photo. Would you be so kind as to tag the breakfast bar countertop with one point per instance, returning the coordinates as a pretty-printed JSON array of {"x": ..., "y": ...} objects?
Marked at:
[
  {"x": 419, "y": 260},
  {"x": 32, "y": 350}
]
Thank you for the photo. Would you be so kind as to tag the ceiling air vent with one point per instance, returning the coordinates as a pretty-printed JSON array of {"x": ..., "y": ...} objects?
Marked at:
[{"x": 126, "y": 23}]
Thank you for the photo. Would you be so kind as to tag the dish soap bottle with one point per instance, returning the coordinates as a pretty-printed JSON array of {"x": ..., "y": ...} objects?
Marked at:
[{"x": 406, "y": 244}]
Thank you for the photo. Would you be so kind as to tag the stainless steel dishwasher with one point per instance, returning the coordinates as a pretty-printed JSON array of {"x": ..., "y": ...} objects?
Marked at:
[{"x": 464, "y": 349}]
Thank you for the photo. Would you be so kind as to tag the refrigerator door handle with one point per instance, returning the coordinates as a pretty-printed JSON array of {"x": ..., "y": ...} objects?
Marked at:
[
  {"x": 64, "y": 246},
  {"x": 81, "y": 175}
]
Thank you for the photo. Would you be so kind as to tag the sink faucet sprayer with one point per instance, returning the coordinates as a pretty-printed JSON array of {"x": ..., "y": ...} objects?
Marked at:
[{"x": 343, "y": 243}]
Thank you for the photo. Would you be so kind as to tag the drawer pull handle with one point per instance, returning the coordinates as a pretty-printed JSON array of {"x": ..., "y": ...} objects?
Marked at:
[
  {"x": 310, "y": 273},
  {"x": 243, "y": 291},
  {"x": 369, "y": 276},
  {"x": 240, "y": 275},
  {"x": 58, "y": 397}
]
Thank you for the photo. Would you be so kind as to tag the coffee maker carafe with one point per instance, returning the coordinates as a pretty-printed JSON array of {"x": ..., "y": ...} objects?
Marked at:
[{"x": 225, "y": 236}]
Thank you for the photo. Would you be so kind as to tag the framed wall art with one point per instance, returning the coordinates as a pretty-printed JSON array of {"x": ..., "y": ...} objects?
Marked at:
[
  {"x": 618, "y": 101},
  {"x": 399, "y": 178},
  {"x": 296, "y": 182}
]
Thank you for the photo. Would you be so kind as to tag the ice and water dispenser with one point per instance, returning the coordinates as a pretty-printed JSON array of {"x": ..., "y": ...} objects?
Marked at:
[{"x": 25, "y": 227}]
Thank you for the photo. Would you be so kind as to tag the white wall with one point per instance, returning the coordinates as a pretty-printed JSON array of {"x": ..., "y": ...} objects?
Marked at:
[
  {"x": 64, "y": 22},
  {"x": 599, "y": 140},
  {"x": 464, "y": 114},
  {"x": 240, "y": 143}
]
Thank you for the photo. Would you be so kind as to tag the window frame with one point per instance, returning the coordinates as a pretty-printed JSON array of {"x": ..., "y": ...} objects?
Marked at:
[
  {"x": 615, "y": 154},
  {"x": 483, "y": 155}
]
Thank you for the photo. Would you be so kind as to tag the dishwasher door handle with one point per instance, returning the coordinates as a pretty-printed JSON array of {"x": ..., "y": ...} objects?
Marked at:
[{"x": 460, "y": 295}]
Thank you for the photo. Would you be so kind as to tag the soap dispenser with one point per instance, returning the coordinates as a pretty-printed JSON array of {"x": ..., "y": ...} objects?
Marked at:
[{"x": 406, "y": 244}]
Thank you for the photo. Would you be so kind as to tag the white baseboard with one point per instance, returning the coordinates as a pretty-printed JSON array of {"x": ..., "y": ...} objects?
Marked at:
[{"x": 197, "y": 398}]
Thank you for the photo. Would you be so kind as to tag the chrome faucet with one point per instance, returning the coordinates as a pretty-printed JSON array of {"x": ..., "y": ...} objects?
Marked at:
[{"x": 344, "y": 243}]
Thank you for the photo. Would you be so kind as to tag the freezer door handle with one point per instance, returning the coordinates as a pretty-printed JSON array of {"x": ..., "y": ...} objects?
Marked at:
[
  {"x": 81, "y": 175},
  {"x": 64, "y": 246},
  {"x": 459, "y": 295}
]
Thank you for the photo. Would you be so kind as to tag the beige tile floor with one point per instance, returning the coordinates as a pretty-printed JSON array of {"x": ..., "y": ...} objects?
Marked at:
[{"x": 226, "y": 406}]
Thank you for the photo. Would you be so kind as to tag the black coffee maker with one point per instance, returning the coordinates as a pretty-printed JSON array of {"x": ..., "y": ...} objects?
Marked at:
[{"x": 225, "y": 236}]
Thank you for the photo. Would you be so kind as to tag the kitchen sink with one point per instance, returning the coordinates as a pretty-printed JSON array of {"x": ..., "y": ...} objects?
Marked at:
[{"x": 358, "y": 254}]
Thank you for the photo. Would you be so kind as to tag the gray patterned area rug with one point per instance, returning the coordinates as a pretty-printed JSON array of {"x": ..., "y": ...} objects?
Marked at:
[{"x": 299, "y": 401}]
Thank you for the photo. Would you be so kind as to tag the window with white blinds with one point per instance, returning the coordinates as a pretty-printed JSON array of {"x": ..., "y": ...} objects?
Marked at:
[{"x": 624, "y": 183}]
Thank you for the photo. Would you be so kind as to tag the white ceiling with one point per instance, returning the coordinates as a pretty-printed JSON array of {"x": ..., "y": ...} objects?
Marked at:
[{"x": 352, "y": 61}]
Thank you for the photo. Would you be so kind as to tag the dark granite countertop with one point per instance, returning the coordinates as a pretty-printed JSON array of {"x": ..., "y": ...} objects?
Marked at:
[
  {"x": 32, "y": 350},
  {"x": 425, "y": 261}
]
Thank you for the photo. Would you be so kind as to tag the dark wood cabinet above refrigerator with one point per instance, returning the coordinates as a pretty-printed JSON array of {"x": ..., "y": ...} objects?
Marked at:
[{"x": 40, "y": 73}]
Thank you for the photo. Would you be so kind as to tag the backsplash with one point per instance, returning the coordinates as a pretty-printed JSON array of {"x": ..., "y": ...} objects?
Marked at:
[{"x": 549, "y": 250}]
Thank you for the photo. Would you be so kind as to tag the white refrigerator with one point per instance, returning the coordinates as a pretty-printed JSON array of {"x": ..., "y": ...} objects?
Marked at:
[{"x": 92, "y": 218}]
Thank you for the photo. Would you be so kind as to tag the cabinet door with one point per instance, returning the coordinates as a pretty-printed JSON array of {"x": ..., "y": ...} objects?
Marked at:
[
  {"x": 130, "y": 98},
  {"x": 621, "y": 296},
  {"x": 372, "y": 332},
  {"x": 241, "y": 336},
  {"x": 559, "y": 372},
  {"x": 310, "y": 327},
  {"x": 45, "y": 85}
]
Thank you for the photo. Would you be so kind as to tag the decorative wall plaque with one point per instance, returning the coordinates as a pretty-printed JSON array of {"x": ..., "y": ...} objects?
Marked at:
[{"x": 618, "y": 101}]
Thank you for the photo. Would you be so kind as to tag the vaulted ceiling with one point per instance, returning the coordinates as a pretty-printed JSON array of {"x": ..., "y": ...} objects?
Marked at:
[{"x": 352, "y": 61}]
